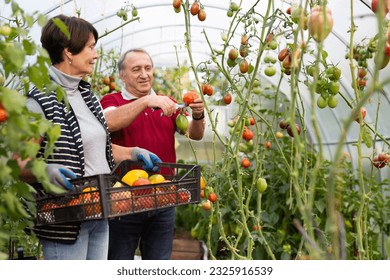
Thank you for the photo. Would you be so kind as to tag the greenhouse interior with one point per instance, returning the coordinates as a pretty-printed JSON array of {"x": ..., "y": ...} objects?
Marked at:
[{"x": 294, "y": 160}]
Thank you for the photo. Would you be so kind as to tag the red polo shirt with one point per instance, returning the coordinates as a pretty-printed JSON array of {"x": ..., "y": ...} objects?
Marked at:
[{"x": 149, "y": 130}]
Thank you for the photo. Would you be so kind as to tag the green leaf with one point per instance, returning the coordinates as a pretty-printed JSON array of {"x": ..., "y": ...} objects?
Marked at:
[
  {"x": 29, "y": 47},
  {"x": 14, "y": 100},
  {"x": 61, "y": 25},
  {"x": 31, "y": 149},
  {"x": 367, "y": 138},
  {"x": 29, "y": 20},
  {"x": 5, "y": 171},
  {"x": 324, "y": 54},
  {"x": 42, "y": 20},
  {"x": 15, "y": 57},
  {"x": 35, "y": 77}
]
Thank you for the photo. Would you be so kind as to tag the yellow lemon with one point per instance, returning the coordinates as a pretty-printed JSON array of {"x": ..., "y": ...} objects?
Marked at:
[
  {"x": 156, "y": 178},
  {"x": 133, "y": 175}
]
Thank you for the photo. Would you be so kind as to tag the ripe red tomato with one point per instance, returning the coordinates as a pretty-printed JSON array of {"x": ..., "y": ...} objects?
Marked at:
[
  {"x": 106, "y": 80},
  {"x": 362, "y": 72},
  {"x": 376, "y": 4},
  {"x": 361, "y": 83},
  {"x": 206, "y": 205},
  {"x": 227, "y": 98},
  {"x": 251, "y": 121},
  {"x": 189, "y": 97},
  {"x": 183, "y": 195},
  {"x": 286, "y": 63},
  {"x": 387, "y": 49},
  {"x": 320, "y": 24},
  {"x": 201, "y": 15},
  {"x": 245, "y": 163},
  {"x": 267, "y": 144},
  {"x": 290, "y": 131},
  {"x": 233, "y": 54},
  {"x": 244, "y": 66},
  {"x": 207, "y": 89},
  {"x": 282, "y": 54},
  {"x": 195, "y": 8},
  {"x": 3, "y": 115},
  {"x": 212, "y": 197},
  {"x": 283, "y": 124},
  {"x": 247, "y": 134},
  {"x": 380, "y": 160},
  {"x": 244, "y": 39},
  {"x": 363, "y": 114},
  {"x": 176, "y": 4}
]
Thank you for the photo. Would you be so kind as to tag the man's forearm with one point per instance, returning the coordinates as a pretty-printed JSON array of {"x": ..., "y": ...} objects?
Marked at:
[{"x": 120, "y": 117}]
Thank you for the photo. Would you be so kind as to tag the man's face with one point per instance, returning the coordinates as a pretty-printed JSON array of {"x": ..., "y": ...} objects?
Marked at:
[{"x": 138, "y": 74}]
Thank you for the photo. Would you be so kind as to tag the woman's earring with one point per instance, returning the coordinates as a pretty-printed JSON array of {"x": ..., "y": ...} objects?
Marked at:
[{"x": 70, "y": 61}]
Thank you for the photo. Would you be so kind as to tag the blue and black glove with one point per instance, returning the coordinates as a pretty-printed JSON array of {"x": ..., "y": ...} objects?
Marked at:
[
  {"x": 147, "y": 157},
  {"x": 58, "y": 175}
]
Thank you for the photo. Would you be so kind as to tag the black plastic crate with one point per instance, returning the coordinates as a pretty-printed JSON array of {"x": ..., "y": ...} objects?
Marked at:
[
  {"x": 106, "y": 196},
  {"x": 182, "y": 187},
  {"x": 82, "y": 204}
]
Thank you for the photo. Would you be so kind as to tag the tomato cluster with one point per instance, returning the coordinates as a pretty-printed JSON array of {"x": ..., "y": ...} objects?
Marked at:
[{"x": 196, "y": 9}]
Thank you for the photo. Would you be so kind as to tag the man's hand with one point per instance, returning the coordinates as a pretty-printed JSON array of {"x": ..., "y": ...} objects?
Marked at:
[
  {"x": 58, "y": 175},
  {"x": 166, "y": 104},
  {"x": 197, "y": 107},
  {"x": 147, "y": 157}
]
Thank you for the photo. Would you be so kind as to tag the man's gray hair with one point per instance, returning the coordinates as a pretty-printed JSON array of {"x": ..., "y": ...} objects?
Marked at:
[{"x": 121, "y": 60}]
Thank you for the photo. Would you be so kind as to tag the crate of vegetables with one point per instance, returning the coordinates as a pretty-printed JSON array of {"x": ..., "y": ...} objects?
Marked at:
[
  {"x": 137, "y": 190},
  {"x": 82, "y": 204},
  {"x": 126, "y": 190}
]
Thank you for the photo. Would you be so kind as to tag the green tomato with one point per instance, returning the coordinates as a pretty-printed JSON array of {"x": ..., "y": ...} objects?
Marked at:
[
  {"x": 311, "y": 70},
  {"x": 261, "y": 185},
  {"x": 5, "y": 30},
  {"x": 231, "y": 63},
  {"x": 134, "y": 12},
  {"x": 270, "y": 71},
  {"x": 321, "y": 102},
  {"x": 121, "y": 13},
  {"x": 234, "y": 7},
  {"x": 182, "y": 122},
  {"x": 334, "y": 87},
  {"x": 333, "y": 101},
  {"x": 333, "y": 73},
  {"x": 273, "y": 44}
]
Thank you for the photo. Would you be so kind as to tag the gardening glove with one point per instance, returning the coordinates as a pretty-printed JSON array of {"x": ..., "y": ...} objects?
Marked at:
[
  {"x": 58, "y": 175},
  {"x": 147, "y": 157}
]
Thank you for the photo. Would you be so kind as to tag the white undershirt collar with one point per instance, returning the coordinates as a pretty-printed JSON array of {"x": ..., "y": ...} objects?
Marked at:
[{"x": 129, "y": 96}]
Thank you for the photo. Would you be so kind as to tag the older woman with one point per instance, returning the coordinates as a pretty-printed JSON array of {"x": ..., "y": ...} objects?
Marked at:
[{"x": 84, "y": 147}]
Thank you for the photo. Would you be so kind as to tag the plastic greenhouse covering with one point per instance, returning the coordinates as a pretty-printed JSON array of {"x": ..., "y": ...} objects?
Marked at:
[{"x": 161, "y": 33}]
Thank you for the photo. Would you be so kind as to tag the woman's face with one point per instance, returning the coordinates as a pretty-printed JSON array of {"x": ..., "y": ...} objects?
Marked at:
[{"x": 83, "y": 63}]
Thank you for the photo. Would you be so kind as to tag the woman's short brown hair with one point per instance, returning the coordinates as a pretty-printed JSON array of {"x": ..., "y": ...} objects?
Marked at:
[{"x": 55, "y": 41}]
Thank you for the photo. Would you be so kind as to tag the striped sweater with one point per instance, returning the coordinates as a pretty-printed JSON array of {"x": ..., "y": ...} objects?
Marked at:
[{"x": 69, "y": 148}]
